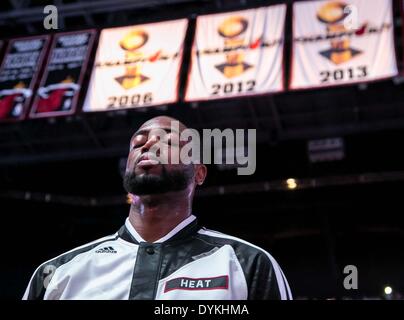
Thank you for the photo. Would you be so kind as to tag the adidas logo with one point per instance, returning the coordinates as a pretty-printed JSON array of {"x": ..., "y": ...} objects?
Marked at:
[{"x": 106, "y": 250}]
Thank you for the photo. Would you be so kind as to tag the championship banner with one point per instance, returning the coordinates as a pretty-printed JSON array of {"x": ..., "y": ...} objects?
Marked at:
[
  {"x": 18, "y": 72},
  {"x": 237, "y": 54},
  {"x": 137, "y": 66},
  {"x": 61, "y": 81},
  {"x": 342, "y": 42}
]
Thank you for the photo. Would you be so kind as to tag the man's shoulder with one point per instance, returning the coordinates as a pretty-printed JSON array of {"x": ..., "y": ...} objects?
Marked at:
[
  {"x": 78, "y": 251},
  {"x": 253, "y": 260},
  {"x": 240, "y": 246},
  {"x": 46, "y": 271}
]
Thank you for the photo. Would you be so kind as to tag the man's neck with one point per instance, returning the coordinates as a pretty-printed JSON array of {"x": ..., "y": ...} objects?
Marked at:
[{"x": 153, "y": 216}]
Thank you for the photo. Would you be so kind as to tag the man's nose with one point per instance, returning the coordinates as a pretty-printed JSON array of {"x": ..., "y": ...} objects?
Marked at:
[{"x": 152, "y": 139}]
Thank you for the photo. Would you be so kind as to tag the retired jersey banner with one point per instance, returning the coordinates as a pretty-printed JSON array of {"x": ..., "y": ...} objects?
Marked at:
[
  {"x": 137, "y": 66},
  {"x": 402, "y": 31},
  {"x": 342, "y": 42},
  {"x": 61, "y": 81},
  {"x": 237, "y": 53},
  {"x": 18, "y": 72}
]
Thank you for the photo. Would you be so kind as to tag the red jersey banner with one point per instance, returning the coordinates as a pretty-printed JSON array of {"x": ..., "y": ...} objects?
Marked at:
[
  {"x": 18, "y": 72},
  {"x": 62, "y": 79}
]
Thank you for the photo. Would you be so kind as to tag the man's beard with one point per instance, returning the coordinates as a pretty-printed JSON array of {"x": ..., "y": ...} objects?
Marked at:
[{"x": 176, "y": 180}]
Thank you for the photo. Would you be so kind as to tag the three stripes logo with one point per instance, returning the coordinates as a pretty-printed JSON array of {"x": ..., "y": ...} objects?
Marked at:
[{"x": 106, "y": 250}]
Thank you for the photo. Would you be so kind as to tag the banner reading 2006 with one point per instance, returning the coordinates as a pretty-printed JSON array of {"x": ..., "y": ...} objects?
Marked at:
[
  {"x": 237, "y": 53},
  {"x": 342, "y": 42},
  {"x": 137, "y": 66}
]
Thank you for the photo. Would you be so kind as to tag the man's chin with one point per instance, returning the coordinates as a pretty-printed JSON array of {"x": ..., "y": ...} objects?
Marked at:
[
  {"x": 154, "y": 170},
  {"x": 156, "y": 181},
  {"x": 145, "y": 190},
  {"x": 145, "y": 183}
]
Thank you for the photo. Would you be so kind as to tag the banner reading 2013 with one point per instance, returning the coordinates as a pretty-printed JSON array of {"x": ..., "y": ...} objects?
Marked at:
[
  {"x": 237, "y": 53},
  {"x": 137, "y": 66},
  {"x": 342, "y": 42}
]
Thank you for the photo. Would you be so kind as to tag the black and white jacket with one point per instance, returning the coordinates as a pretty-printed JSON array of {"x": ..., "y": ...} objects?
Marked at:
[{"x": 190, "y": 262}]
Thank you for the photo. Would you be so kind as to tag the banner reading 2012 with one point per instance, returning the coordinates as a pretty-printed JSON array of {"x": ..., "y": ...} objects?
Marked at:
[
  {"x": 137, "y": 66},
  {"x": 237, "y": 53},
  {"x": 342, "y": 42}
]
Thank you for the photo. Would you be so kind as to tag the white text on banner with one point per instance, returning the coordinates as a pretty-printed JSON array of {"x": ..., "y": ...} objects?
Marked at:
[
  {"x": 237, "y": 54},
  {"x": 342, "y": 42},
  {"x": 137, "y": 66}
]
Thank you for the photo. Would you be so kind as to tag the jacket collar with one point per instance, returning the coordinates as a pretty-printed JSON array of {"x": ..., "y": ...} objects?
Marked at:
[{"x": 184, "y": 229}]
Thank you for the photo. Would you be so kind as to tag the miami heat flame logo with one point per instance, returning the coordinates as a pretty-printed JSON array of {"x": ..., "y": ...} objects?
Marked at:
[
  {"x": 57, "y": 97},
  {"x": 12, "y": 101},
  {"x": 232, "y": 30},
  {"x": 131, "y": 42},
  {"x": 333, "y": 15}
]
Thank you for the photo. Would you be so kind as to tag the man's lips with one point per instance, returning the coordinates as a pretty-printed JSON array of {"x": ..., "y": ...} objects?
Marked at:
[{"x": 146, "y": 161}]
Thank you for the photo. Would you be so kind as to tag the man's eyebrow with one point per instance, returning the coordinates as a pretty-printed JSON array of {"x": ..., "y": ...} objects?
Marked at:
[
  {"x": 146, "y": 131},
  {"x": 140, "y": 131}
]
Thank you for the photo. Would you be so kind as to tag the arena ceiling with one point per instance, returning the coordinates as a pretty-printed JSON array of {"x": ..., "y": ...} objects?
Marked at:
[
  {"x": 314, "y": 232},
  {"x": 288, "y": 116}
]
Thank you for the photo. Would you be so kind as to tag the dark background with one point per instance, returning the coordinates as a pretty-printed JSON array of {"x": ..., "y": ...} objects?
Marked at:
[{"x": 61, "y": 186}]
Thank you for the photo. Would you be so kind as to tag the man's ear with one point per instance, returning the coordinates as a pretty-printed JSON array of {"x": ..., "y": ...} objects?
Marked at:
[{"x": 200, "y": 173}]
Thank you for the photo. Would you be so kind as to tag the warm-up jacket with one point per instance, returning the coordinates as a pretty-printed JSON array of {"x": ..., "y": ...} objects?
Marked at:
[{"x": 190, "y": 262}]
